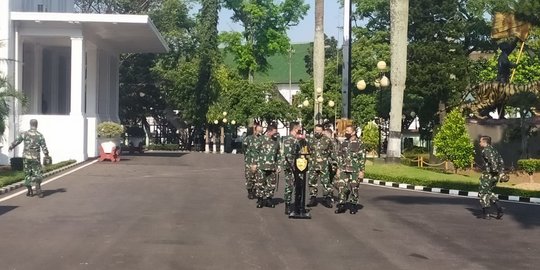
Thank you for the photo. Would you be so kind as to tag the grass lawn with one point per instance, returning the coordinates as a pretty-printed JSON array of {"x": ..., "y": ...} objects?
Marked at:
[
  {"x": 8, "y": 177},
  {"x": 463, "y": 180}
]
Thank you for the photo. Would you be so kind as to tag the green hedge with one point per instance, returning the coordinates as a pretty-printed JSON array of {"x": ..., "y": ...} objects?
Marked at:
[
  {"x": 466, "y": 186},
  {"x": 10, "y": 177},
  {"x": 164, "y": 147},
  {"x": 529, "y": 165}
]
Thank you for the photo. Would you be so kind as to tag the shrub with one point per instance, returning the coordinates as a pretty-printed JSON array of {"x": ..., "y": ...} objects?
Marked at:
[
  {"x": 370, "y": 136},
  {"x": 109, "y": 129},
  {"x": 453, "y": 142},
  {"x": 529, "y": 165}
]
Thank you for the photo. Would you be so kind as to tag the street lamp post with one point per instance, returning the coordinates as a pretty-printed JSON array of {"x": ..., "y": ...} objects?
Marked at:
[
  {"x": 331, "y": 104},
  {"x": 290, "y": 51},
  {"x": 380, "y": 83},
  {"x": 222, "y": 134}
]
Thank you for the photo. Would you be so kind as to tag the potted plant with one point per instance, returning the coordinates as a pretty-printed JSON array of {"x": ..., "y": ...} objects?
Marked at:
[
  {"x": 109, "y": 134},
  {"x": 136, "y": 136}
]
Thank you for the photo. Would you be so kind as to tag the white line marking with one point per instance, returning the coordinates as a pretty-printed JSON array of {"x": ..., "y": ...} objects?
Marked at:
[{"x": 50, "y": 180}]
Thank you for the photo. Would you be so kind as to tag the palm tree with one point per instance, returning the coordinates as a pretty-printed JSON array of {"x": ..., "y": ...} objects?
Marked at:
[
  {"x": 6, "y": 93},
  {"x": 399, "y": 15}
]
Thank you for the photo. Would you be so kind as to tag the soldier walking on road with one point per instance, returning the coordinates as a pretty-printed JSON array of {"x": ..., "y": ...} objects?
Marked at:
[
  {"x": 492, "y": 173},
  {"x": 267, "y": 165},
  {"x": 287, "y": 163},
  {"x": 34, "y": 143},
  {"x": 322, "y": 155},
  {"x": 250, "y": 148},
  {"x": 351, "y": 165}
]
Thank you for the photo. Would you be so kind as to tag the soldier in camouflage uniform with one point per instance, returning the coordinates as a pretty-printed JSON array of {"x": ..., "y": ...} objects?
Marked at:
[
  {"x": 250, "y": 147},
  {"x": 351, "y": 165},
  {"x": 34, "y": 143},
  {"x": 332, "y": 166},
  {"x": 287, "y": 162},
  {"x": 493, "y": 168},
  {"x": 268, "y": 167},
  {"x": 322, "y": 155}
]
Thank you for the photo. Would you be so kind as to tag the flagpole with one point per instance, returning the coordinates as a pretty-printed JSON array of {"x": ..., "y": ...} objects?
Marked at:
[{"x": 519, "y": 56}]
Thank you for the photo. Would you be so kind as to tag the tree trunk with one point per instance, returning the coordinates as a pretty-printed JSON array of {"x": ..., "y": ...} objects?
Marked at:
[
  {"x": 399, "y": 12},
  {"x": 318, "y": 58}
]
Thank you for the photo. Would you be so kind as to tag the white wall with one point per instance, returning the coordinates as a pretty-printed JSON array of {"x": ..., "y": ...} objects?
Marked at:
[{"x": 288, "y": 92}]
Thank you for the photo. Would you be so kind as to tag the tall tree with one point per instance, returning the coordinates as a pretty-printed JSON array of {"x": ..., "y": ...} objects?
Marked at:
[
  {"x": 207, "y": 35},
  {"x": 318, "y": 56},
  {"x": 265, "y": 25},
  {"x": 399, "y": 14}
]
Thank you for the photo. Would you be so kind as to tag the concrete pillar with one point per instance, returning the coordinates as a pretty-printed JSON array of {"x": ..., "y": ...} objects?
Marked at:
[
  {"x": 92, "y": 118},
  {"x": 77, "y": 130},
  {"x": 37, "y": 88}
]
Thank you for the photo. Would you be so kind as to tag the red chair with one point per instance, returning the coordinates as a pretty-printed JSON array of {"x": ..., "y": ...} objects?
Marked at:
[{"x": 114, "y": 156}]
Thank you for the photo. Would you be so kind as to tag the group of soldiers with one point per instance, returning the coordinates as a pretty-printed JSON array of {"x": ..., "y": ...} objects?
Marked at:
[{"x": 332, "y": 163}]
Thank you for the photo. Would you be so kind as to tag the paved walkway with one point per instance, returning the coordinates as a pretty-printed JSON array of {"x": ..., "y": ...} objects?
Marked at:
[{"x": 190, "y": 211}]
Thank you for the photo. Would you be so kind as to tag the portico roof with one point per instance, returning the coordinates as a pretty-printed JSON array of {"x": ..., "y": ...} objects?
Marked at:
[{"x": 124, "y": 33}]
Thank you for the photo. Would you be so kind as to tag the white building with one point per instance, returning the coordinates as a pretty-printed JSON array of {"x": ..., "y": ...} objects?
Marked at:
[{"x": 66, "y": 64}]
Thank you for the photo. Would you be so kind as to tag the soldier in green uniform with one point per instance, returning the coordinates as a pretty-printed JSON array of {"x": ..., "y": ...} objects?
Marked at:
[
  {"x": 267, "y": 166},
  {"x": 332, "y": 166},
  {"x": 34, "y": 143},
  {"x": 287, "y": 162},
  {"x": 351, "y": 165},
  {"x": 322, "y": 155},
  {"x": 250, "y": 148},
  {"x": 493, "y": 170}
]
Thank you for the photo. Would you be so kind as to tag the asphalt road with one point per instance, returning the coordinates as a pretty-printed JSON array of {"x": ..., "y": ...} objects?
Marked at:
[{"x": 190, "y": 211}]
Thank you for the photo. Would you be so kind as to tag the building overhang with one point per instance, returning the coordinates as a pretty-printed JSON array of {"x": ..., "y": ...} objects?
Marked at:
[{"x": 124, "y": 33}]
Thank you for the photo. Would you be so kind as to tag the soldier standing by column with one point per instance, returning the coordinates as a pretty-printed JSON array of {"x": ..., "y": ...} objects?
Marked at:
[
  {"x": 492, "y": 173},
  {"x": 250, "y": 146},
  {"x": 322, "y": 155},
  {"x": 287, "y": 163},
  {"x": 267, "y": 166},
  {"x": 34, "y": 143},
  {"x": 351, "y": 166}
]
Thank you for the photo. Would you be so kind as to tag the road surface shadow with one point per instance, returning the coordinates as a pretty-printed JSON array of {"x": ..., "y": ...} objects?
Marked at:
[
  {"x": 49, "y": 192},
  {"x": 528, "y": 215},
  {"x": 6, "y": 208},
  {"x": 154, "y": 154}
]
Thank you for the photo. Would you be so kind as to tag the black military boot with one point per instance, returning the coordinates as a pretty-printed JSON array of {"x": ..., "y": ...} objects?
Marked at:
[
  {"x": 38, "y": 190},
  {"x": 260, "y": 202},
  {"x": 500, "y": 212},
  {"x": 270, "y": 203},
  {"x": 312, "y": 201},
  {"x": 251, "y": 194},
  {"x": 30, "y": 192},
  {"x": 353, "y": 209},
  {"x": 287, "y": 208},
  {"x": 485, "y": 213},
  {"x": 341, "y": 208},
  {"x": 328, "y": 202}
]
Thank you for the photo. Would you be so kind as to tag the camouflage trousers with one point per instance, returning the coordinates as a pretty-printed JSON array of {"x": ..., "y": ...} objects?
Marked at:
[
  {"x": 250, "y": 177},
  {"x": 487, "y": 183},
  {"x": 32, "y": 171},
  {"x": 322, "y": 176},
  {"x": 289, "y": 185},
  {"x": 347, "y": 184},
  {"x": 265, "y": 184}
]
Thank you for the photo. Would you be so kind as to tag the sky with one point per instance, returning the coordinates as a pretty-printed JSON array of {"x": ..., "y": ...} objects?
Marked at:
[{"x": 305, "y": 30}]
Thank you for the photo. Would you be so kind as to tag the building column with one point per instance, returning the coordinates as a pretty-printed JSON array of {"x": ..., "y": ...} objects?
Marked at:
[
  {"x": 92, "y": 118},
  {"x": 114, "y": 84},
  {"x": 37, "y": 88},
  {"x": 78, "y": 128}
]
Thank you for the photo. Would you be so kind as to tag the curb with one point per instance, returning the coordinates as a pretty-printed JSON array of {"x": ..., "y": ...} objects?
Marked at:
[
  {"x": 454, "y": 192},
  {"x": 20, "y": 184}
]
